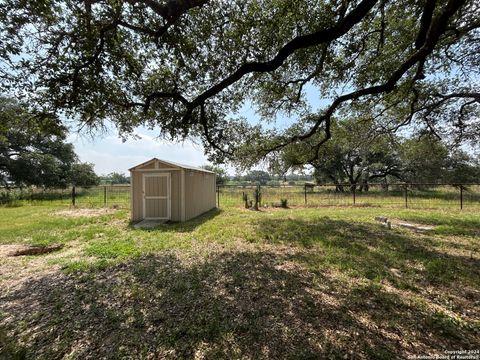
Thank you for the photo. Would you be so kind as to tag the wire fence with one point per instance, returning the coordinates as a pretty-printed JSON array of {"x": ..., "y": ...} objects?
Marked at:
[
  {"x": 453, "y": 196},
  {"x": 96, "y": 196},
  {"x": 420, "y": 195}
]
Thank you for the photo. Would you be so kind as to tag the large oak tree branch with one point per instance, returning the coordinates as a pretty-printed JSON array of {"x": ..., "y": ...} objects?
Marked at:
[
  {"x": 301, "y": 42},
  {"x": 436, "y": 29},
  {"x": 171, "y": 9}
]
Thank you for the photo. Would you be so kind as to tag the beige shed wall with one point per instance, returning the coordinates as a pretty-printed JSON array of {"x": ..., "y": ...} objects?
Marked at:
[
  {"x": 137, "y": 191},
  {"x": 200, "y": 192},
  {"x": 176, "y": 196},
  {"x": 136, "y": 195}
]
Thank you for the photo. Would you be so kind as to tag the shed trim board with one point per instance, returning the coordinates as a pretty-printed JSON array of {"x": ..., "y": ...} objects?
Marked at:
[
  {"x": 155, "y": 170},
  {"x": 170, "y": 163},
  {"x": 153, "y": 197}
]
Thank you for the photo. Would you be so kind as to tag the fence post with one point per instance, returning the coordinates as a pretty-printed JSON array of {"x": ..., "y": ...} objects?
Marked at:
[
  {"x": 218, "y": 196},
  {"x": 354, "y": 193},
  {"x": 461, "y": 197},
  {"x": 73, "y": 195},
  {"x": 104, "y": 195},
  {"x": 305, "y": 191},
  {"x": 406, "y": 196},
  {"x": 259, "y": 195}
]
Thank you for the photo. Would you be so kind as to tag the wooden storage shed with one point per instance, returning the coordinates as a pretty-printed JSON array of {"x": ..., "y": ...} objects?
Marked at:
[{"x": 163, "y": 190}]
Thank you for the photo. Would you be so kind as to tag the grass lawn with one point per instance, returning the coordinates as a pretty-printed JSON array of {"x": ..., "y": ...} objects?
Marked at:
[{"x": 298, "y": 283}]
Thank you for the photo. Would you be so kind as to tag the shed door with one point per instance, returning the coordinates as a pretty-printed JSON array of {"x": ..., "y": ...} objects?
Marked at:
[{"x": 156, "y": 196}]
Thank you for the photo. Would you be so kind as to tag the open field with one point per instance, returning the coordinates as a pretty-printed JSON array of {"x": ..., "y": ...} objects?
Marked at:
[{"x": 234, "y": 283}]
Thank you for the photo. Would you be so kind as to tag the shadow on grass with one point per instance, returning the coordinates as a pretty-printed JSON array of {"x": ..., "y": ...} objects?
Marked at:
[
  {"x": 447, "y": 222},
  {"x": 187, "y": 226},
  {"x": 233, "y": 305},
  {"x": 458, "y": 227},
  {"x": 369, "y": 250}
]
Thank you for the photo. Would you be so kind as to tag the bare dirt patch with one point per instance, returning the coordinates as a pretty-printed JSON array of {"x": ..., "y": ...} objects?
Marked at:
[
  {"x": 77, "y": 212},
  {"x": 7, "y": 250},
  {"x": 15, "y": 270}
]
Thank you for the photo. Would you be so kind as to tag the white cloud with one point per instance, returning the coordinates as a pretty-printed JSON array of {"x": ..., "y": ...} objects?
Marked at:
[{"x": 109, "y": 153}]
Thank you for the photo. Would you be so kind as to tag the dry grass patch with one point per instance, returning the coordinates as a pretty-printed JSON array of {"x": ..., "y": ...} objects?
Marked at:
[{"x": 85, "y": 212}]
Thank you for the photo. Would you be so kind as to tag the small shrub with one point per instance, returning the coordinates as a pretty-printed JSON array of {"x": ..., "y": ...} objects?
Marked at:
[
  {"x": 9, "y": 197},
  {"x": 284, "y": 203}
]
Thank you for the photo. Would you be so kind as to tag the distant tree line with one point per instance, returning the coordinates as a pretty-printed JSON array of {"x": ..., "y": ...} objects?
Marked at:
[
  {"x": 361, "y": 159},
  {"x": 115, "y": 178},
  {"x": 263, "y": 177},
  {"x": 359, "y": 154}
]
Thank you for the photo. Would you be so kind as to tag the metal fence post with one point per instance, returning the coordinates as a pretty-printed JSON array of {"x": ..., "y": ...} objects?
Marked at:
[
  {"x": 461, "y": 197},
  {"x": 305, "y": 191},
  {"x": 73, "y": 195},
  {"x": 259, "y": 195},
  {"x": 104, "y": 195},
  {"x": 406, "y": 196}
]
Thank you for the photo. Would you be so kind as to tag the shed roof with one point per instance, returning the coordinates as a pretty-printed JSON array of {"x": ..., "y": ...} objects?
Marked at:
[{"x": 182, "y": 166}]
